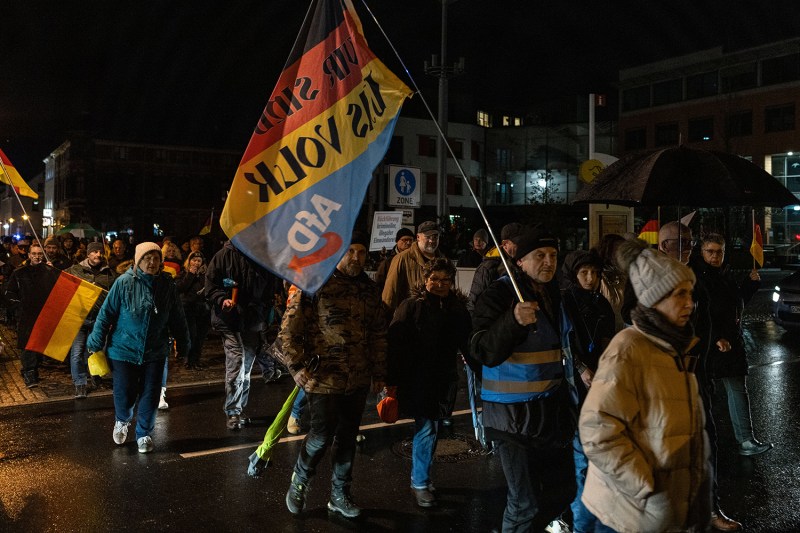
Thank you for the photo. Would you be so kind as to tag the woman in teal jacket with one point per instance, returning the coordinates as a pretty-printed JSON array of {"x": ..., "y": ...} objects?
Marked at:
[{"x": 139, "y": 315}]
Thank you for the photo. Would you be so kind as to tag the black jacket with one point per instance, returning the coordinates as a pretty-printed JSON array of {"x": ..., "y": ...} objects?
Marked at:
[
  {"x": 424, "y": 339},
  {"x": 256, "y": 291},
  {"x": 718, "y": 291}
]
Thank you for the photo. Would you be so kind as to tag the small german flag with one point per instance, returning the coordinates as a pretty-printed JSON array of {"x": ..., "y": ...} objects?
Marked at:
[
  {"x": 649, "y": 232},
  {"x": 757, "y": 246}
]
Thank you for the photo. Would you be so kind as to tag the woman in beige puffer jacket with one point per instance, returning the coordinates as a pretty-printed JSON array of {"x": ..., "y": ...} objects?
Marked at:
[{"x": 642, "y": 422}]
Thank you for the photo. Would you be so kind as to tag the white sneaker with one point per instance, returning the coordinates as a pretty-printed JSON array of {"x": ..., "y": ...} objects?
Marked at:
[
  {"x": 145, "y": 444},
  {"x": 293, "y": 426},
  {"x": 557, "y": 526},
  {"x": 120, "y": 432},
  {"x": 162, "y": 402}
]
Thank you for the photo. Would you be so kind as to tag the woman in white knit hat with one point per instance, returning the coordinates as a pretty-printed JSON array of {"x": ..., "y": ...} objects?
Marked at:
[
  {"x": 140, "y": 313},
  {"x": 642, "y": 422}
]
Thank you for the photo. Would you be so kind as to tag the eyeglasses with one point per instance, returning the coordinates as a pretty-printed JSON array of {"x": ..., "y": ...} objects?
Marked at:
[
  {"x": 714, "y": 253},
  {"x": 685, "y": 244},
  {"x": 441, "y": 281},
  {"x": 433, "y": 237}
]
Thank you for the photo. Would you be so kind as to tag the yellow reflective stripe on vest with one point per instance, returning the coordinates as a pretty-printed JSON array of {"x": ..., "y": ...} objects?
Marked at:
[
  {"x": 535, "y": 358},
  {"x": 520, "y": 386}
]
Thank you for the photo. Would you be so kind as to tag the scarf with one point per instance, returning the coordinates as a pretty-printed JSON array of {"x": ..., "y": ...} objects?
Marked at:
[{"x": 653, "y": 323}]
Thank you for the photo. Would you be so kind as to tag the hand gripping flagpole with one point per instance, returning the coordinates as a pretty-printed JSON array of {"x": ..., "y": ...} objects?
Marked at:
[
  {"x": 450, "y": 150},
  {"x": 25, "y": 215}
]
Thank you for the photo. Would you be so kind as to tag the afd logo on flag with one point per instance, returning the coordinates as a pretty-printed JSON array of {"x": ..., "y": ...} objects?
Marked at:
[{"x": 309, "y": 229}]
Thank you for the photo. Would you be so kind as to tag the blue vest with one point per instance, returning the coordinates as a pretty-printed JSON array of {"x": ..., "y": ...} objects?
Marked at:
[{"x": 534, "y": 370}]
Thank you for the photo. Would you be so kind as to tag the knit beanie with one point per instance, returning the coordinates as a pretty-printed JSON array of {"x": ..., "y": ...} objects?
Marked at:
[
  {"x": 403, "y": 232},
  {"x": 652, "y": 274},
  {"x": 144, "y": 247},
  {"x": 52, "y": 240},
  {"x": 529, "y": 239},
  {"x": 94, "y": 247},
  {"x": 359, "y": 237}
]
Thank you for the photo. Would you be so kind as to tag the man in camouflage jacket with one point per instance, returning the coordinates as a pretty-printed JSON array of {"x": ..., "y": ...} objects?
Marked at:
[{"x": 334, "y": 344}]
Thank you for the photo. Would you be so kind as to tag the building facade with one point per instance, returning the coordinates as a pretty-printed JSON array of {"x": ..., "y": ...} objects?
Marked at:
[
  {"x": 142, "y": 189},
  {"x": 742, "y": 102}
]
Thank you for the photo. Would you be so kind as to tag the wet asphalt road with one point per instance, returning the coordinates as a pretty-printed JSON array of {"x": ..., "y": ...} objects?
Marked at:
[{"x": 60, "y": 471}]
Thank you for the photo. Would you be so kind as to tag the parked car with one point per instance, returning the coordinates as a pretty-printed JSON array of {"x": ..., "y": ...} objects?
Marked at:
[
  {"x": 786, "y": 302},
  {"x": 786, "y": 256}
]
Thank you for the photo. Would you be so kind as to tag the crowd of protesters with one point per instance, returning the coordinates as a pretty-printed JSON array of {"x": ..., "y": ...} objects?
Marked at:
[{"x": 595, "y": 378}]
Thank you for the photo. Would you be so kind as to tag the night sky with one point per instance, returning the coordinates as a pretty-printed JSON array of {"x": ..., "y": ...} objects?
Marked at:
[{"x": 199, "y": 72}]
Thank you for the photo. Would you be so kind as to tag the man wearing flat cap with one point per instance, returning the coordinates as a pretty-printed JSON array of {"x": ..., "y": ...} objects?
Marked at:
[
  {"x": 95, "y": 270},
  {"x": 405, "y": 271},
  {"x": 528, "y": 406}
]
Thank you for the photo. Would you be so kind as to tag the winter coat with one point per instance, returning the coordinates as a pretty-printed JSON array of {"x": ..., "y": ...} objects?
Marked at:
[
  {"x": 27, "y": 289},
  {"x": 424, "y": 339},
  {"x": 139, "y": 315},
  {"x": 642, "y": 429},
  {"x": 549, "y": 421},
  {"x": 342, "y": 327},
  {"x": 490, "y": 269},
  {"x": 256, "y": 290},
  {"x": 102, "y": 277},
  {"x": 405, "y": 272},
  {"x": 724, "y": 298}
]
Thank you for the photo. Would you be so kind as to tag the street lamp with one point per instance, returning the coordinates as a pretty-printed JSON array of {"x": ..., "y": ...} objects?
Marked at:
[{"x": 443, "y": 71}]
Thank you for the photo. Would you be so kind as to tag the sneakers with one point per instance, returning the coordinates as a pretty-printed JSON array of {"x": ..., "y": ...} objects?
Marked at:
[
  {"x": 80, "y": 392},
  {"x": 296, "y": 497},
  {"x": 557, "y": 526},
  {"x": 341, "y": 503},
  {"x": 120, "y": 432},
  {"x": 234, "y": 422},
  {"x": 293, "y": 426},
  {"x": 275, "y": 375},
  {"x": 754, "y": 447},
  {"x": 162, "y": 402},
  {"x": 425, "y": 497},
  {"x": 145, "y": 444}
]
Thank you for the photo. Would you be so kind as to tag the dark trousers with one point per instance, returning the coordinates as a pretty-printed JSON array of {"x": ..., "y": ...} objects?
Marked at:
[
  {"x": 541, "y": 485},
  {"x": 29, "y": 361},
  {"x": 198, "y": 320},
  {"x": 334, "y": 420},
  {"x": 706, "y": 393}
]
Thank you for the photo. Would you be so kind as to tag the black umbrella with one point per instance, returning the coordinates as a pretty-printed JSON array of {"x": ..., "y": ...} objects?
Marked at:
[{"x": 688, "y": 177}]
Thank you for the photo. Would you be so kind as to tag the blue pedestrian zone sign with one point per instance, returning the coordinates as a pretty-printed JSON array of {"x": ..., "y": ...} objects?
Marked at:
[
  {"x": 404, "y": 191},
  {"x": 404, "y": 182}
]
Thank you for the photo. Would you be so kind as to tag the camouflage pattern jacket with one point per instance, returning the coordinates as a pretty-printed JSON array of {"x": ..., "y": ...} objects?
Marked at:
[{"x": 343, "y": 327}]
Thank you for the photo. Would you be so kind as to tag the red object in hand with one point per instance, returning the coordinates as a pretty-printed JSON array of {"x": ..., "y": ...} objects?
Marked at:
[{"x": 234, "y": 295}]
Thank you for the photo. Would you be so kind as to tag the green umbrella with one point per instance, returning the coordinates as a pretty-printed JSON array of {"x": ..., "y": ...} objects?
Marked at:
[{"x": 259, "y": 459}]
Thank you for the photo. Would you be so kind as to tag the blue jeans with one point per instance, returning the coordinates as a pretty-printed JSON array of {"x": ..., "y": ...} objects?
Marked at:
[
  {"x": 334, "y": 420},
  {"x": 541, "y": 485},
  {"x": 739, "y": 407},
  {"x": 299, "y": 404},
  {"x": 583, "y": 520},
  {"x": 79, "y": 356},
  {"x": 164, "y": 379},
  {"x": 425, "y": 440},
  {"x": 138, "y": 382},
  {"x": 240, "y": 353}
]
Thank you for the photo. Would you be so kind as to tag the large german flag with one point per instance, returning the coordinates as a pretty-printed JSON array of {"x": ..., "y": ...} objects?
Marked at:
[
  {"x": 67, "y": 306},
  {"x": 301, "y": 182}
]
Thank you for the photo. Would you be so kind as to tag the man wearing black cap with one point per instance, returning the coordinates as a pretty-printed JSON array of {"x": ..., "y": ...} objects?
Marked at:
[
  {"x": 402, "y": 242},
  {"x": 334, "y": 345},
  {"x": 492, "y": 267},
  {"x": 528, "y": 407},
  {"x": 95, "y": 270},
  {"x": 405, "y": 270}
]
